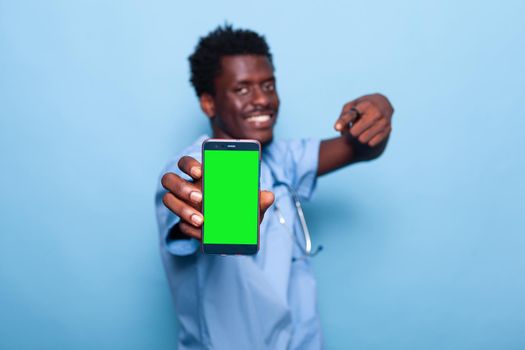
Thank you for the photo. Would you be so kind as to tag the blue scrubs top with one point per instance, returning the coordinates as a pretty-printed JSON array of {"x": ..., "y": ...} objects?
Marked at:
[{"x": 266, "y": 301}]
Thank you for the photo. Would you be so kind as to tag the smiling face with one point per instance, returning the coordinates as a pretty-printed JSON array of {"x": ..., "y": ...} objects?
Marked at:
[{"x": 245, "y": 103}]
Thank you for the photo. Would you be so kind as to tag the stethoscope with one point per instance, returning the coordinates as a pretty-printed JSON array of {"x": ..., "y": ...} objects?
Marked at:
[{"x": 307, "y": 249}]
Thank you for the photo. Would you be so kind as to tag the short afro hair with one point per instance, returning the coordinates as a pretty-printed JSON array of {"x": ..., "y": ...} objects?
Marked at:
[{"x": 205, "y": 62}]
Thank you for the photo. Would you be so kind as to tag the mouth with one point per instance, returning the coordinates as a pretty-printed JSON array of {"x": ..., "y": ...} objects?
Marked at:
[{"x": 262, "y": 120}]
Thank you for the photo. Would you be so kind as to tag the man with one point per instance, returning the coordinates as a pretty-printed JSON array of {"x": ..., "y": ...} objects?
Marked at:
[{"x": 266, "y": 301}]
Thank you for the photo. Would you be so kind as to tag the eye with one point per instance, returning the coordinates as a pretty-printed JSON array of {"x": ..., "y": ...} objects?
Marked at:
[
  {"x": 269, "y": 86},
  {"x": 243, "y": 90}
]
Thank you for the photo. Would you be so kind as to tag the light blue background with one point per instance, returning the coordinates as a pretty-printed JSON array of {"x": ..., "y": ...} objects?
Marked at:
[{"x": 424, "y": 248}]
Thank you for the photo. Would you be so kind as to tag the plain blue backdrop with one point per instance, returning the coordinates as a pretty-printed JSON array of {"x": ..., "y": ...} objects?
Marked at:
[{"x": 424, "y": 248}]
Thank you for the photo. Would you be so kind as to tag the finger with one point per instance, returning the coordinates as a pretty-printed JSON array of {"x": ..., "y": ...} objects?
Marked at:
[
  {"x": 363, "y": 107},
  {"x": 380, "y": 126},
  {"x": 181, "y": 188},
  {"x": 348, "y": 106},
  {"x": 346, "y": 113},
  {"x": 191, "y": 167},
  {"x": 191, "y": 231},
  {"x": 353, "y": 112},
  {"x": 379, "y": 137},
  {"x": 346, "y": 118},
  {"x": 267, "y": 199},
  {"x": 369, "y": 118},
  {"x": 183, "y": 210}
]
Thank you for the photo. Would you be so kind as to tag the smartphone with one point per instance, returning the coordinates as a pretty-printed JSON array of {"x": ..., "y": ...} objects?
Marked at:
[{"x": 230, "y": 191}]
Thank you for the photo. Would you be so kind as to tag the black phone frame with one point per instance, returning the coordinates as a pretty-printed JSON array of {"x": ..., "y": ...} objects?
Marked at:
[{"x": 231, "y": 145}]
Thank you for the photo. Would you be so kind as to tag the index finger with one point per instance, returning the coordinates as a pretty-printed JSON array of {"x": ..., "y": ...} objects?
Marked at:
[
  {"x": 347, "y": 118},
  {"x": 191, "y": 167}
]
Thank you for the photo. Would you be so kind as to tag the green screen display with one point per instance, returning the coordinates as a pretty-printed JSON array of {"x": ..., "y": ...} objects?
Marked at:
[{"x": 231, "y": 196}]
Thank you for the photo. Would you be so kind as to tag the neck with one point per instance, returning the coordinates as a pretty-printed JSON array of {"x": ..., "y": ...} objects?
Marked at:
[{"x": 218, "y": 133}]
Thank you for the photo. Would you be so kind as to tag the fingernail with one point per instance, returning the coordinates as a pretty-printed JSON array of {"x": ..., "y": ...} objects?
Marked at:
[
  {"x": 337, "y": 126},
  {"x": 195, "y": 171},
  {"x": 196, "y": 196},
  {"x": 197, "y": 220}
]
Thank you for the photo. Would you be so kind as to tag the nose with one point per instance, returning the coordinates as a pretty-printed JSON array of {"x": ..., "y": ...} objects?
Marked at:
[{"x": 260, "y": 98}]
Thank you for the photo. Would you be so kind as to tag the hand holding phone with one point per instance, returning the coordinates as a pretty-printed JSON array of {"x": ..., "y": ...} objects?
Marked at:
[
  {"x": 231, "y": 191},
  {"x": 184, "y": 198}
]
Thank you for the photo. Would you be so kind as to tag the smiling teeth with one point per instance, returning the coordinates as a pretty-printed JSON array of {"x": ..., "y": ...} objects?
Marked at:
[{"x": 259, "y": 118}]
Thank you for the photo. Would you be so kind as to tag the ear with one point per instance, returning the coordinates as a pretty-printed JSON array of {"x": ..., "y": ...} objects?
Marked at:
[{"x": 207, "y": 105}]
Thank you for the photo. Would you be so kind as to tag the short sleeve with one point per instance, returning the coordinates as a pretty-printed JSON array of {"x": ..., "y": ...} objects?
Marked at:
[
  {"x": 305, "y": 155},
  {"x": 166, "y": 219}
]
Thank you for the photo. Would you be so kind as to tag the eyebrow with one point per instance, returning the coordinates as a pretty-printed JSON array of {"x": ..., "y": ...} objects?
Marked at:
[{"x": 271, "y": 79}]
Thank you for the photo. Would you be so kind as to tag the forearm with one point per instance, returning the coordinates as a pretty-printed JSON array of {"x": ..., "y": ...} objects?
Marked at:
[{"x": 342, "y": 151}]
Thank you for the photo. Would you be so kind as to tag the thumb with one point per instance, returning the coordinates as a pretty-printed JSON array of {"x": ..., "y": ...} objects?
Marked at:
[{"x": 267, "y": 198}]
